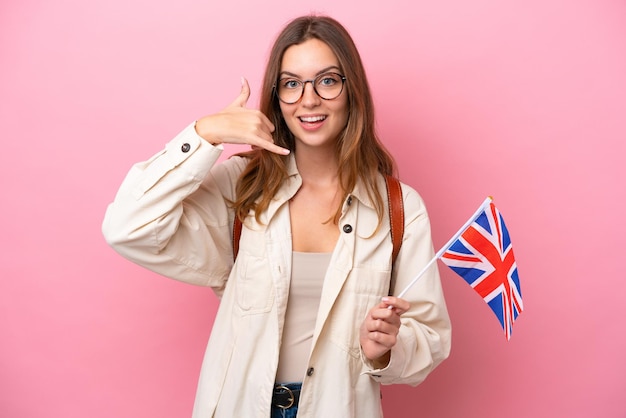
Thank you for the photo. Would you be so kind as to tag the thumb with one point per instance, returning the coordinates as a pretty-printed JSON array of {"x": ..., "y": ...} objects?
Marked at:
[{"x": 244, "y": 94}]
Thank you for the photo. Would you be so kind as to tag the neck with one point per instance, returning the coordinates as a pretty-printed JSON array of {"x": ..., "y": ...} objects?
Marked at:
[{"x": 317, "y": 165}]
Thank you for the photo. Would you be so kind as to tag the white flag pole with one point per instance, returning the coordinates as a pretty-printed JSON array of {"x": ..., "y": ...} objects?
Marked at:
[{"x": 448, "y": 245}]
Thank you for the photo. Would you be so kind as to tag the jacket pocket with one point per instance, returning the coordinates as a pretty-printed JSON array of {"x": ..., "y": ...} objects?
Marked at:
[{"x": 255, "y": 288}]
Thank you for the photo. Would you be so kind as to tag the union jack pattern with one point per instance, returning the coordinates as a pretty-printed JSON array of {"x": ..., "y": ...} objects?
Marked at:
[{"x": 483, "y": 256}]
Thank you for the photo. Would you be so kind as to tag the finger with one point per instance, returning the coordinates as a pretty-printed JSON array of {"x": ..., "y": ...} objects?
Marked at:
[
  {"x": 263, "y": 139},
  {"x": 382, "y": 327},
  {"x": 267, "y": 122},
  {"x": 385, "y": 339},
  {"x": 383, "y": 313},
  {"x": 398, "y": 305},
  {"x": 389, "y": 325},
  {"x": 244, "y": 94},
  {"x": 271, "y": 147}
]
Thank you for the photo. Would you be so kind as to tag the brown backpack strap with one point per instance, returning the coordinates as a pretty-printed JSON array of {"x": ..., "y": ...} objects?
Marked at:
[
  {"x": 396, "y": 219},
  {"x": 236, "y": 236},
  {"x": 396, "y": 214}
]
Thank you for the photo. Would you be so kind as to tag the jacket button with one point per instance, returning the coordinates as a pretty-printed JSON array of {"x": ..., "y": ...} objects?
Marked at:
[
  {"x": 347, "y": 228},
  {"x": 349, "y": 200},
  {"x": 185, "y": 148},
  {"x": 310, "y": 371}
]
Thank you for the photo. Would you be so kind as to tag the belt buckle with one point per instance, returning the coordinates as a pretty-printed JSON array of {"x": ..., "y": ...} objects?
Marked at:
[{"x": 291, "y": 398}]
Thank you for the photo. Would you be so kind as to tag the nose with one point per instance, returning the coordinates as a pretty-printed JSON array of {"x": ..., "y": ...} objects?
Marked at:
[{"x": 309, "y": 96}]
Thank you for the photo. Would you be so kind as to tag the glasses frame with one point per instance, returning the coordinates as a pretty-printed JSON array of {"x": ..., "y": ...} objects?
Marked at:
[{"x": 312, "y": 81}]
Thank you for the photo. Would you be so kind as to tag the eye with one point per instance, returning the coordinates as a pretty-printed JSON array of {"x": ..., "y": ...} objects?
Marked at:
[
  {"x": 328, "y": 80},
  {"x": 290, "y": 83}
]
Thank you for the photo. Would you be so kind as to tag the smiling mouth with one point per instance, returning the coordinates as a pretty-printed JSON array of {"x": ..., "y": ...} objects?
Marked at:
[{"x": 312, "y": 119}]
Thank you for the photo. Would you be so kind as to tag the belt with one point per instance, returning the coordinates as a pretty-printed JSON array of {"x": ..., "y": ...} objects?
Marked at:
[{"x": 286, "y": 396}]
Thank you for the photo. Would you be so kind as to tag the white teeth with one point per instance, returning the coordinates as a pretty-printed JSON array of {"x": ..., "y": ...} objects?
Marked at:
[{"x": 312, "y": 118}]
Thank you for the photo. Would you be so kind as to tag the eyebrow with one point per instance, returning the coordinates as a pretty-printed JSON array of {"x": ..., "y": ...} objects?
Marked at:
[{"x": 325, "y": 70}]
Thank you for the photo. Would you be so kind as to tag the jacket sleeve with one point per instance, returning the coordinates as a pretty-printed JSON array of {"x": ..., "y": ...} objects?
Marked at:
[
  {"x": 171, "y": 213},
  {"x": 424, "y": 339}
]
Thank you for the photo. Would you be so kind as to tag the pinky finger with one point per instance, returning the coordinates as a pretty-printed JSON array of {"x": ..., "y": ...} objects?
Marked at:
[{"x": 271, "y": 147}]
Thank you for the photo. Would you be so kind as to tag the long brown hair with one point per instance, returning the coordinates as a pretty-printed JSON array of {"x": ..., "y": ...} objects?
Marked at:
[{"x": 361, "y": 154}]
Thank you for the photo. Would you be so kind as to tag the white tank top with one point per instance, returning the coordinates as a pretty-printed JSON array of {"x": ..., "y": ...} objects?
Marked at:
[{"x": 307, "y": 278}]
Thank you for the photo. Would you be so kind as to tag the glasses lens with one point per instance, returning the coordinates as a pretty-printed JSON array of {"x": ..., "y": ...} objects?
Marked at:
[
  {"x": 289, "y": 89},
  {"x": 328, "y": 86}
]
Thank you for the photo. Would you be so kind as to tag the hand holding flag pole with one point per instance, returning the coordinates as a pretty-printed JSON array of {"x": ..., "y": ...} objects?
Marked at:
[{"x": 482, "y": 254}]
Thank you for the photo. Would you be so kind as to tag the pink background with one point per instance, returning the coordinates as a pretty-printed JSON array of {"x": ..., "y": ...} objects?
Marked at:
[{"x": 522, "y": 100}]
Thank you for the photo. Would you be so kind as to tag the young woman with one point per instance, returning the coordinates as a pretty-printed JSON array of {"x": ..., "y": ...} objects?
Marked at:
[{"x": 305, "y": 323}]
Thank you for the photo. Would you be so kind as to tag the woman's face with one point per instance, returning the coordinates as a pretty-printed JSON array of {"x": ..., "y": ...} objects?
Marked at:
[{"x": 314, "y": 122}]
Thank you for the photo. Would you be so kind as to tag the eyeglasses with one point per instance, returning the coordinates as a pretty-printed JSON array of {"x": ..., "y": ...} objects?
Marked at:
[{"x": 328, "y": 86}]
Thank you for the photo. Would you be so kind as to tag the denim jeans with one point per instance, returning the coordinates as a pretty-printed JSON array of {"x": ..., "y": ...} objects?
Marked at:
[
  {"x": 284, "y": 413},
  {"x": 289, "y": 412}
]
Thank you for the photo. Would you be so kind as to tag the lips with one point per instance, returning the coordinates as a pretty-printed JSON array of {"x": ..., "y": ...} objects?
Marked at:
[{"x": 312, "y": 122}]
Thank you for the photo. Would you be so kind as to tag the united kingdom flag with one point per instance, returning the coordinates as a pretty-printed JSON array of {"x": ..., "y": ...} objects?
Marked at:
[{"x": 483, "y": 256}]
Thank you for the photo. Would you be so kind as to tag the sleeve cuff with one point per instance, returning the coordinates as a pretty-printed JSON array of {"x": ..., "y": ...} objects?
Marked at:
[
  {"x": 390, "y": 373},
  {"x": 187, "y": 149}
]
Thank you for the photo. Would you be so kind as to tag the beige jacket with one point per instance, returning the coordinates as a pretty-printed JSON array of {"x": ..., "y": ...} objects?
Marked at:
[{"x": 170, "y": 215}]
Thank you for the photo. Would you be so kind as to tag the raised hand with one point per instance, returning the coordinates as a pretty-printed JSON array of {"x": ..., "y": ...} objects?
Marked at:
[{"x": 236, "y": 124}]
